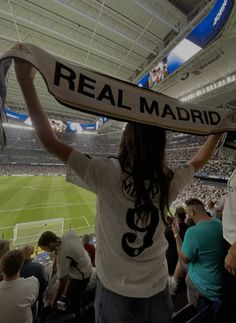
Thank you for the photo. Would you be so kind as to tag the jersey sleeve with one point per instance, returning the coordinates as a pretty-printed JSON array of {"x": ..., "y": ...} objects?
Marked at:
[
  {"x": 183, "y": 176},
  {"x": 84, "y": 171}
]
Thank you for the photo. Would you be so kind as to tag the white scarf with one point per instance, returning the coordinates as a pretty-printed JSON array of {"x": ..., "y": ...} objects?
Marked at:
[{"x": 89, "y": 91}]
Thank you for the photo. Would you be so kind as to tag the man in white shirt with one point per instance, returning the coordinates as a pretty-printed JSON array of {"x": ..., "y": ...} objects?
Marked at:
[
  {"x": 73, "y": 265},
  {"x": 229, "y": 223},
  {"x": 17, "y": 295},
  {"x": 229, "y": 231}
]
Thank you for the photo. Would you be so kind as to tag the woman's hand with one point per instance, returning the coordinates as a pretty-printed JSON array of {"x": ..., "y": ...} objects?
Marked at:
[
  {"x": 230, "y": 260},
  {"x": 230, "y": 264},
  {"x": 25, "y": 72},
  {"x": 175, "y": 227}
]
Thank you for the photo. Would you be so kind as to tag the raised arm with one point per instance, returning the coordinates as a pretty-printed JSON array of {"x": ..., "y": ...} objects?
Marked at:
[
  {"x": 205, "y": 152},
  {"x": 25, "y": 76}
]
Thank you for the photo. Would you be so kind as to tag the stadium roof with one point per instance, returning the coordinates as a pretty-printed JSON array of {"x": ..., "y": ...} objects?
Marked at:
[{"x": 125, "y": 39}]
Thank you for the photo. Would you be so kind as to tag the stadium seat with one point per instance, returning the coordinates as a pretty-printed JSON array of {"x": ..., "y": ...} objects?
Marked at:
[
  {"x": 206, "y": 313},
  {"x": 61, "y": 317},
  {"x": 184, "y": 314}
]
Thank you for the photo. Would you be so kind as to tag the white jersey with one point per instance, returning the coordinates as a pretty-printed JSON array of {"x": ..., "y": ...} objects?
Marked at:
[
  {"x": 130, "y": 258},
  {"x": 229, "y": 212},
  {"x": 16, "y": 298},
  {"x": 72, "y": 259}
]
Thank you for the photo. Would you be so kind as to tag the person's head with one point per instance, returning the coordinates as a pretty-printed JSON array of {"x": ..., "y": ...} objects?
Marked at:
[
  {"x": 4, "y": 247},
  {"x": 142, "y": 148},
  {"x": 48, "y": 241},
  {"x": 142, "y": 157},
  {"x": 12, "y": 262},
  {"x": 210, "y": 204},
  {"x": 180, "y": 213},
  {"x": 195, "y": 210},
  {"x": 28, "y": 251},
  {"x": 85, "y": 239}
]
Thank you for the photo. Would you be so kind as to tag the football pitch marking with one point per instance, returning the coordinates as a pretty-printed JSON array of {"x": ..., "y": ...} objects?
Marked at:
[
  {"x": 9, "y": 227},
  {"x": 46, "y": 205},
  {"x": 79, "y": 217},
  {"x": 57, "y": 187},
  {"x": 65, "y": 219},
  {"x": 48, "y": 186},
  {"x": 87, "y": 222}
]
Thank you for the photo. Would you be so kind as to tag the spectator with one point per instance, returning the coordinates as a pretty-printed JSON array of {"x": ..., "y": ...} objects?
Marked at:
[
  {"x": 31, "y": 268},
  {"x": 133, "y": 191},
  {"x": 51, "y": 270},
  {"x": 229, "y": 229},
  {"x": 180, "y": 214},
  {"x": 203, "y": 250},
  {"x": 211, "y": 208},
  {"x": 171, "y": 253},
  {"x": 17, "y": 295},
  {"x": 89, "y": 247},
  {"x": 201, "y": 190},
  {"x": 73, "y": 263},
  {"x": 4, "y": 247}
]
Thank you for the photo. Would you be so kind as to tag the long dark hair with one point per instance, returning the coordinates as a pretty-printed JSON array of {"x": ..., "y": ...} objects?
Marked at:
[{"x": 142, "y": 157}]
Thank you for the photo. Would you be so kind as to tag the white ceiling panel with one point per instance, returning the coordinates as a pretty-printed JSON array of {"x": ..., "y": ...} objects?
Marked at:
[{"x": 118, "y": 38}]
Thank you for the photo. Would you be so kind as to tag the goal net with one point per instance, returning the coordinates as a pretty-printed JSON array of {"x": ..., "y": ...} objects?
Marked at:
[{"x": 29, "y": 232}]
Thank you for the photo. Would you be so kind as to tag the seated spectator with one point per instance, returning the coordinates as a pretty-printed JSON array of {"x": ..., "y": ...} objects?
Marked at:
[
  {"x": 73, "y": 266},
  {"x": 17, "y": 295},
  {"x": 89, "y": 247},
  {"x": 4, "y": 247},
  {"x": 211, "y": 208},
  {"x": 31, "y": 268},
  {"x": 203, "y": 250}
]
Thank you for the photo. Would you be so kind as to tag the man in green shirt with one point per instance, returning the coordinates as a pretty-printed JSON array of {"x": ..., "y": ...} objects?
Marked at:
[{"x": 203, "y": 250}]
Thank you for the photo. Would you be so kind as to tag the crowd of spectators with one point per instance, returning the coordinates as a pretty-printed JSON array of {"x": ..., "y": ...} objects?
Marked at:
[
  {"x": 32, "y": 292},
  {"x": 222, "y": 169},
  {"x": 29, "y": 170},
  {"x": 24, "y": 154},
  {"x": 201, "y": 190}
]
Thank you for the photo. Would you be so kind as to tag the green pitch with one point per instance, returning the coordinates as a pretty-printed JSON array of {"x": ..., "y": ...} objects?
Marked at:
[{"x": 34, "y": 198}]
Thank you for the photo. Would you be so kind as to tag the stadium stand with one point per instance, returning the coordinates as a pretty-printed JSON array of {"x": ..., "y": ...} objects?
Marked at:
[{"x": 24, "y": 153}]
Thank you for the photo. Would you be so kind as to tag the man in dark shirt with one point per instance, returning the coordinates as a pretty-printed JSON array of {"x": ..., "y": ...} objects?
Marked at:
[{"x": 31, "y": 268}]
